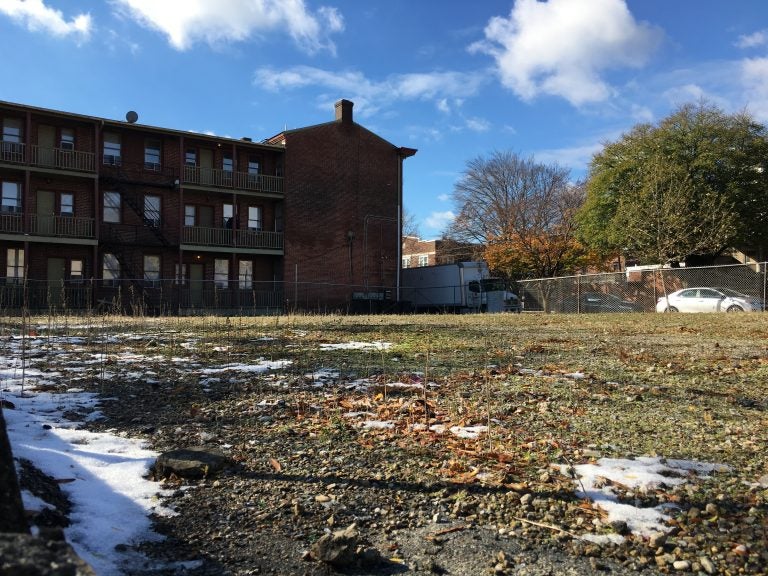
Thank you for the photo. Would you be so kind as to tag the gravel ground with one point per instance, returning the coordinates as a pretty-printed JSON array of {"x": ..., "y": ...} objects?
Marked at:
[{"x": 553, "y": 391}]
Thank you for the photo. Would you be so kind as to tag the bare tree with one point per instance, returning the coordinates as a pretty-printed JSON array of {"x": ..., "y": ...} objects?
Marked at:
[
  {"x": 410, "y": 224},
  {"x": 522, "y": 212}
]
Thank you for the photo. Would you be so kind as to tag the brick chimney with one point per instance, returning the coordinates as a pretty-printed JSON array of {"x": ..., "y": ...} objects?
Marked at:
[{"x": 344, "y": 111}]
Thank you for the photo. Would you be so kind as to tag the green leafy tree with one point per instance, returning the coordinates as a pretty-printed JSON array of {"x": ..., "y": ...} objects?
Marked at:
[{"x": 696, "y": 184}]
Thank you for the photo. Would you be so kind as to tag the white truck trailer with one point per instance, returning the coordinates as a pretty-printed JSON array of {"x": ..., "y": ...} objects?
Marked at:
[{"x": 460, "y": 287}]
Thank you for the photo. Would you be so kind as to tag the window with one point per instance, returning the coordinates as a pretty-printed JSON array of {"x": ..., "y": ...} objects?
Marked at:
[
  {"x": 228, "y": 212},
  {"x": 254, "y": 218},
  {"x": 152, "y": 155},
  {"x": 190, "y": 158},
  {"x": 111, "y": 270},
  {"x": 406, "y": 261},
  {"x": 227, "y": 164},
  {"x": 189, "y": 215},
  {"x": 152, "y": 270},
  {"x": 245, "y": 277},
  {"x": 279, "y": 217},
  {"x": 180, "y": 274},
  {"x": 112, "y": 207},
  {"x": 10, "y": 146},
  {"x": 66, "y": 204},
  {"x": 221, "y": 273},
  {"x": 423, "y": 260},
  {"x": 11, "y": 201},
  {"x": 112, "y": 149},
  {"x": 76, "y": 271},
  {"x": 12, "y": 130},
  {"x": 152, "y": 210},
  {"x": 67, "y": 139},
  {"x": 254, "y": 168},
  {"x": 14, "y": 272}
]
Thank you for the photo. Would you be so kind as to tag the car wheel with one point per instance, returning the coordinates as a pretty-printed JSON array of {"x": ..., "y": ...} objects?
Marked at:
[
  {"x": 672, "y": 309},
  {"x": 734, "y": 308}
]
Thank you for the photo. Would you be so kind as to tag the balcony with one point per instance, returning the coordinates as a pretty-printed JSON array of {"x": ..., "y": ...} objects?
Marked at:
[
  {"x": 61, "y": 226},
  {"x": 225, "y": 237},
  {"x": 233, "y": 180},
  {"x": 55, "y": 226},
  {"x": 53, "y": 158},
  {"x": 115, "y": 169}
]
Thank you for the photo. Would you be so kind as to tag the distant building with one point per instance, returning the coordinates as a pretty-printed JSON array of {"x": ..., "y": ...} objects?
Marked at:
[
  {"x": 104, "y": 212},
  {"x": 418, "y": 252}
]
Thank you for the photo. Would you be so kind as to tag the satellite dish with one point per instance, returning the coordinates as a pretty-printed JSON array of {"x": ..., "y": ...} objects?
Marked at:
[{"x": 131, "y": 116}]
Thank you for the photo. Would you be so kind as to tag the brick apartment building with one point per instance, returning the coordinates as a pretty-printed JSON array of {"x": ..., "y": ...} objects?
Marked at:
[
  {"x": 417, "y": 252},
  {"x": 98, "y": 212}
]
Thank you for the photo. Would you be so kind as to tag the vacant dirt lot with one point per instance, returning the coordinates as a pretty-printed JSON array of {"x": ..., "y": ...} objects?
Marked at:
[{"x": 455, "y": 444}]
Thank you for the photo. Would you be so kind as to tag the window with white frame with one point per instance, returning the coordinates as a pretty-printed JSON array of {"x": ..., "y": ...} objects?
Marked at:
[
  {"x": 112, "y": 149},
  {"x": 152, "y": 210},
  {"x": 406, "y": 261},
  {"x": 11, "y": 200},
  {"x": 12, "y": 130},
  {"x": 189, "y": 215},
  {"x": 67, "y": 140},
  {"x": 245, "y": 275},
  {"x": 423, "y": 260},
  {"x": 152, "y": 269},
  {"x": 227, "y": 214},
  {"x": 221, "y": 273},
  {"x": 112, "y": 207},
  {"x": 190, "y": 157},
  {"x": 76, "y": 271},
  {"x": 180, "y": 274},
  {"x": 254, "y": 218},
  {"x": 110, "y": 270},
  {"x": 67, "y": 204},
  {"x": 152, "y": 154},
  {"x": 14, "y": 266},
  {"x": 227, "y": 164}
]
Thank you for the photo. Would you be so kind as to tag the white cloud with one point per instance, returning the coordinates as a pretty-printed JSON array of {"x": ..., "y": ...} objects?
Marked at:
[
  {"x": 477, "y": 124},
  {"x": 561, "y": 47},
  {"x": 370, "y": 96},
  {"x": 439, "y": 220},
  {"x": 189, "y": 21},
  {"x": 754, "y": 73},
  {"x": 753, "y": 40},
  {"x": 40, "y": 18},
  {"x": 444, "y": 197}
]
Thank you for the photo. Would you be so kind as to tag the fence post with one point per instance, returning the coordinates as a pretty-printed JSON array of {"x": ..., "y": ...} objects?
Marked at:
[{"x": 764, "y": 274}]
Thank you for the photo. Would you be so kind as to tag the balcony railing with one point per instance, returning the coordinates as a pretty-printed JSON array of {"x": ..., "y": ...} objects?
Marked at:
[
  {"x": 13, "y": 152},
  {"x": 232, "y": 180},
  {"x": 58, "y": 226},
  {"x": 63, "y": 159},
  {"x": 226, "y": 237},
  {"x": 11, "y": 223},
  {"x": 56, "y": 158},
  {"x": 64, "y": 226}
]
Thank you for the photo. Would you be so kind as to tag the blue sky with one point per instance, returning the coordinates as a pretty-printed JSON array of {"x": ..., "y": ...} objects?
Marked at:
[{"x": 457, "y": 80}]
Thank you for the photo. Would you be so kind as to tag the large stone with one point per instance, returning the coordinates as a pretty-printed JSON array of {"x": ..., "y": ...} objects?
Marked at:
[
  {"x": 193, "y": 462},
  {"x": 23, "y": 554},
  {"x": 12, "y": 517},
  {"x": 338, "y": 549}
]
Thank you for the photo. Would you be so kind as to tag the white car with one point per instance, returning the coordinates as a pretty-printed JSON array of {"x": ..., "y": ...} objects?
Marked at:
[{"x": 708, "y": 300}]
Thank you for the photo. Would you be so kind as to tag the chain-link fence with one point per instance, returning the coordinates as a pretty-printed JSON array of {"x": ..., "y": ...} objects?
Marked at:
[
  {"x": 191, "y": 297},
  {"x": 740, "y": 287}
]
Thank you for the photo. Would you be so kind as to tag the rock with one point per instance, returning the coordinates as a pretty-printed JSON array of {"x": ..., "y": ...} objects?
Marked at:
[
  {"x": 32, "y": 556},
  {"x": 192, "y": 462},
  {"x": 681, "y": 565},
  {"x": 338, "y": 549},
  {"x": 620, "y": 527},
  {"x": 707, "y": 565}
]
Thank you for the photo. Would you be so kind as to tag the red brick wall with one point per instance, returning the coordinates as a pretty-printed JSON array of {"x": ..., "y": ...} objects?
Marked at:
[{"x": 338, "y": 177}]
